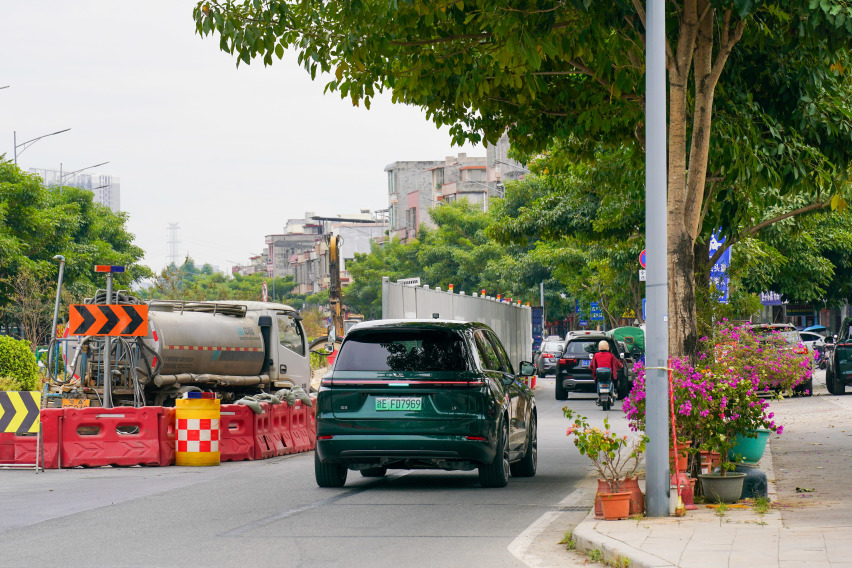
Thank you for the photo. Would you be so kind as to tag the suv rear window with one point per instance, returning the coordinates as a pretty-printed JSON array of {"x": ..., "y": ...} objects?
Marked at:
[
  {"x": 582, "y": 347},
  {"x": 427, "y": 350},
  {"x": 551, "y": 347}
]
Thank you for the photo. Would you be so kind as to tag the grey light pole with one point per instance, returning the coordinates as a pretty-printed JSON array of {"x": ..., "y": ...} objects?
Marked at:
[
  {"x": 69, "y": 174},
  {"x": 61, "y": 260},
  {"x": 108, "y": 346},
  {"x": 656, "y": 287},
  {"x": 24, "y": 145}
]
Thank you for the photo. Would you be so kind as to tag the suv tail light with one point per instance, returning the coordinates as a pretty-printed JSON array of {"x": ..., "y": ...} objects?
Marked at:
[
  {"x": 567, "y": 361},
  {"x": 547, "y": 356},
  {"x": 801, "y": 350}
]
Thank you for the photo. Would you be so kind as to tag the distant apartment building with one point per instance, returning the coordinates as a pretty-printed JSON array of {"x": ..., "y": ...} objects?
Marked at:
[
  {"x": 414, "y": 188},
  {"x": 256, "y": 265},
  {"x": 106, "y": 188},
  {"x": 501, "y": 168},
  {"x": 460, "y": 177},
  {"x": 409, "y": 197}
]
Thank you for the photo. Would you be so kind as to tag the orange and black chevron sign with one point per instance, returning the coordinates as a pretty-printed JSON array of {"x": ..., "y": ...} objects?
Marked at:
[
  {"x": 108, "y": 319},
  {"x": 19, "y": 411}
]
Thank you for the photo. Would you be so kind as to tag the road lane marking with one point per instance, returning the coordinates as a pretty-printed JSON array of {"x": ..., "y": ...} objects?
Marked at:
[
  {"x": 315, "y": 505},
  {"x": 522, "y": 547}
]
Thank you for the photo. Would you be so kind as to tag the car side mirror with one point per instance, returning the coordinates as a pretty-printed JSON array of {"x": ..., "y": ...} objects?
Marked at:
[
  {"x": 527, "y": 368},
  {"x": 332, "y": 334},
  {"x": 329, "y": 348}
]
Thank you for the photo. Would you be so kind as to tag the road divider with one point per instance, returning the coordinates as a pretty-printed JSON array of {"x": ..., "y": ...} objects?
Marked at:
[{"x": 127, "y": 436}]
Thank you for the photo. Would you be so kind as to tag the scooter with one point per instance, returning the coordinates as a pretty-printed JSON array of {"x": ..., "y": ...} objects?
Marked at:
[{"x": 605, "y": 387}]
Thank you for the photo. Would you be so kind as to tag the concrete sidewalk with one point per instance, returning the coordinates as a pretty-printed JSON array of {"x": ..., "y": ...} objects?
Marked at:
[{"x": 709, "y": 538}]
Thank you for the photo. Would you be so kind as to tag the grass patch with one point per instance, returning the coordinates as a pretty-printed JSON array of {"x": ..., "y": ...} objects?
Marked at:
[
  {"x": 596, "y": 555},
  {"x": 568, "y": 541},
  {"x": 761, "y": 505}
]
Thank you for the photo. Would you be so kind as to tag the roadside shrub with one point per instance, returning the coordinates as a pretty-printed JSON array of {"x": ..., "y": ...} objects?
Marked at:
[{"x": 18, "y": 368}]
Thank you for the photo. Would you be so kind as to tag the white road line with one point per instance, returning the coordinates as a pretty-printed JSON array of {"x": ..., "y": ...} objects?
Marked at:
[{"x": 522, "y": 547}]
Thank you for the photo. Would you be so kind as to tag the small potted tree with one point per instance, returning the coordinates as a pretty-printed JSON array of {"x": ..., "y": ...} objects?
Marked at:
[{"x": 615, "y": 458}]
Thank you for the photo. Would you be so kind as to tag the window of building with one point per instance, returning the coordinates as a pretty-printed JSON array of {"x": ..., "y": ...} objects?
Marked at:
[{"x": 391, "y": 188}]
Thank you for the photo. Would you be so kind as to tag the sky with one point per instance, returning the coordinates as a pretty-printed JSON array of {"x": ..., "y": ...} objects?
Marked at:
[{"x": 229, "y": 154}]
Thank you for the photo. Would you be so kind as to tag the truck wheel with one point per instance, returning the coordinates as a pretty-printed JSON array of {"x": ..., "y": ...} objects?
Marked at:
[
  {"x": 561, "y": 393},
  {"x": 496, "y": 474},
  {"x": 329, "y": 474},
  {"x": 527, "y": 465}
]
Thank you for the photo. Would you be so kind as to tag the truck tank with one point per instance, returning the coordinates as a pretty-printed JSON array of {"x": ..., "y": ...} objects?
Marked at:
[{"x": 204, "y": 343}]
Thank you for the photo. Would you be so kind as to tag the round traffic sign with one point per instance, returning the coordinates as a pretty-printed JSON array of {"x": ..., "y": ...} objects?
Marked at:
[{"x": 642, "y": 259}]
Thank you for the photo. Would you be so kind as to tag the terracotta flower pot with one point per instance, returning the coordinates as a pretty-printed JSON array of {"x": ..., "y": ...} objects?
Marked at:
[
  {"x": 682, "y": 458},
  {"x": 616, "y": 506},
  {"x": 709, "y": 461},
  {"x": 630, "y": 485}
]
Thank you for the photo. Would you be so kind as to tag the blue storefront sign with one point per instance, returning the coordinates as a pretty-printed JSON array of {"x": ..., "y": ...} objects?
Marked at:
[
  {"x": 595, "y": 313},
  {"x": 719, "y": 272}
]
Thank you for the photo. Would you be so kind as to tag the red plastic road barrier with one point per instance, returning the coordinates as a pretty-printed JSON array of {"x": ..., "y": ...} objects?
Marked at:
[
  {"x": 122, "y": 436},
  {"x": 281, "y": 429},
  {"x": 312, "y": 422},
  {"x": 299, "y": 427},
  {"x": 51, "y": 436},
  {"x": 236, "y": 433},
  {"x": 264, "y": 446},
  {"x": 166, "y": 435},
  {"x": 16, "y": 449}
]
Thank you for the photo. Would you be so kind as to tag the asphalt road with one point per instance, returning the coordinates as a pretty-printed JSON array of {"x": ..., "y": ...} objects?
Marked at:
[{"x": 271, "y": 513}]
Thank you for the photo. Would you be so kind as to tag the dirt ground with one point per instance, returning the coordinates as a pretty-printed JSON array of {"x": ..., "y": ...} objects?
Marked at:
[{"x": 814, "y": 454}]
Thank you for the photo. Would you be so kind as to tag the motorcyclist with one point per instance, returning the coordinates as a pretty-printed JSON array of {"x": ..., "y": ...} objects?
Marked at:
[{"x": 603, "y": 358}]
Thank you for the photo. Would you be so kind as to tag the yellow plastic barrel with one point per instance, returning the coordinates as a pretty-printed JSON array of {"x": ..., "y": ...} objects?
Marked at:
[{"x": 197, "y": 441}]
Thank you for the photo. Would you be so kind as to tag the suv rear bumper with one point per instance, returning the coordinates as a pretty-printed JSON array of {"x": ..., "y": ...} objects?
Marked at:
[
  {"x": 383, "y": 449},
  {"x": 574, "y": 384}
]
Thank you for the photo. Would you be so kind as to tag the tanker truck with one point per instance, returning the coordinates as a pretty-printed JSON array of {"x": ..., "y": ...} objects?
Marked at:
[{"x": 232, "y": 348}]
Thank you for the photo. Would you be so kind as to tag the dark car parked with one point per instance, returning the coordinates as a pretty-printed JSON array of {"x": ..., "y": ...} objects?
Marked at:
[
  {"x": 572, "y": 368},
  {"x": 545, "y": 361},
  {"x": 425, "y": 394}
]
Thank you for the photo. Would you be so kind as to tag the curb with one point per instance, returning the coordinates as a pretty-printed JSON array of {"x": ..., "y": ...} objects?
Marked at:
[{"x": 586, "y": 538}]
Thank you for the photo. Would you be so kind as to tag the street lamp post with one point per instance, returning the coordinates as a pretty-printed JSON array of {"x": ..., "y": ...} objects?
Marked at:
[
  {"x": 75, "y": 172},
  {"x": 61, "y": 260},
  {"x": 28, "y": 143}
]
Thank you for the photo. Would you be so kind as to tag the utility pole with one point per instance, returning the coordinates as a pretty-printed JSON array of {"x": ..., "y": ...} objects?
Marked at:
[{"x": 657, "y": 478}]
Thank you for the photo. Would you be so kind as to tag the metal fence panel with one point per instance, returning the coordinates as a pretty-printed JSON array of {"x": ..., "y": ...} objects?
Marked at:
[{"x": 512, "y": 323}]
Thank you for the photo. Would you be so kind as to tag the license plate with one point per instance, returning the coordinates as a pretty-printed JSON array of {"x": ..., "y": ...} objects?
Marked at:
[
  {"x": 399, "y": 403},
  {"x": 584, "y": 362},
  {"x": 604, "y": 390}
]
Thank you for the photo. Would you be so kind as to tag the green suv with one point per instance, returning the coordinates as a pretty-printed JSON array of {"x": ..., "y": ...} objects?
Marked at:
[{"x": 425, "y": 394}]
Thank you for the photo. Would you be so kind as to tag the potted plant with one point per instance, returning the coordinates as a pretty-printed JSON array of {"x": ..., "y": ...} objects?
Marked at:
[
  {"x": 615, "y": 458},
  {"x": 717, "y": 397}
]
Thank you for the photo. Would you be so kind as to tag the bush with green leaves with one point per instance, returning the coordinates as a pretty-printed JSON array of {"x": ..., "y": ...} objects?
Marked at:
[{"x": 17, "y": 365}]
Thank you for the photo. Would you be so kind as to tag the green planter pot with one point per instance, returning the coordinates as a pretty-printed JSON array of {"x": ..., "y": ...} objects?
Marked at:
[
  {"x": 751, "y": 449},
  {"x": 719, "y": 489}
]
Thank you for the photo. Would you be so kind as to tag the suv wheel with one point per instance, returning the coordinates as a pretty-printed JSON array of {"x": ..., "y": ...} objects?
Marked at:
[
  {"x": 527, "y": 465},
  {"x": 496, "y": 474},
  {"x": 329, "y": 474},
  {"x": 832, "y": 385},
  {"x": 623, "y": 388},
  {"x": 561, "y": 393}
]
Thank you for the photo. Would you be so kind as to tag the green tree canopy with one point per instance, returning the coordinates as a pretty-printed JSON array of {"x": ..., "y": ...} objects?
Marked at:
[
  {"x": 37, "y": 223},
  {"x": 758, "y": 92}
]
